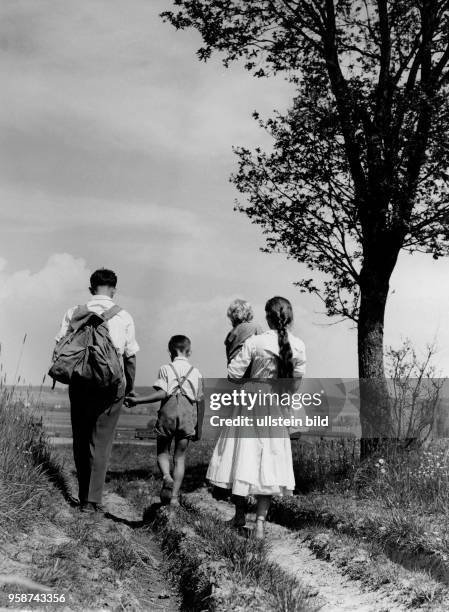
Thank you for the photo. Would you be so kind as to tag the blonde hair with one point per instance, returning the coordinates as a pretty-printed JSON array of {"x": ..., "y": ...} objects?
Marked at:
[{"x": 240, "y": 311}]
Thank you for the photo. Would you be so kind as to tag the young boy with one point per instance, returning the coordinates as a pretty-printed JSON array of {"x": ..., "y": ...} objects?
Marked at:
[{"x": 179, "y": 388}]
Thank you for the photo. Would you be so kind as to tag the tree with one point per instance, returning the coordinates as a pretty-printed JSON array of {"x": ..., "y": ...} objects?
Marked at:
[{"x": 359, "y": 165}]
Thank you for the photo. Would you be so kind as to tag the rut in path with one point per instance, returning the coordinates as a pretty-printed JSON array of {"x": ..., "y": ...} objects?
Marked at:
[
  {"x": 153, "y": 589},
  {"x": 335, "y": 592}
]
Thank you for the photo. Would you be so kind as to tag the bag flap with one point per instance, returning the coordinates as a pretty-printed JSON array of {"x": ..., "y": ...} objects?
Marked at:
[{"x": 80, "y": 316}]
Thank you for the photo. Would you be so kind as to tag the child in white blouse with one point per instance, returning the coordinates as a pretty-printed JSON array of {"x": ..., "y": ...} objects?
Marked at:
[{"x": 252, "y": 465}]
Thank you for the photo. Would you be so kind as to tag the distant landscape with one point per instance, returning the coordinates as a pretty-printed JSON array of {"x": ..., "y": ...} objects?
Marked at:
[{"x": 52, "y": 405}]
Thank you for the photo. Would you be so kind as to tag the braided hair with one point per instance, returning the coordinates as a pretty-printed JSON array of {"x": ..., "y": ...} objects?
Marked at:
[{"x": 279, "y": 314}]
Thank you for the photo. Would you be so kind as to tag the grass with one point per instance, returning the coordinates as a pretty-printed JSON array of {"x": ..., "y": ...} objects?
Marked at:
[
  {"x": 208, "y": 556},
  {"x": 366, "y": 563},
  {"x": 417, "y": 479},
  {"x": 250, "y": 561},
  {"x": 397, "y": 500},
  {"x": 44, "y": 540},
  {"x": 25, "y": 460},
  {"x": 213, "y": 549},
  {"x": 401, "y": 497},
  {"x": 319, "y": 462}
]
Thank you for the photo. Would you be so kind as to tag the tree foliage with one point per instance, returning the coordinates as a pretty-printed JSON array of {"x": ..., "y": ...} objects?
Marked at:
[{"x": 359, "y": 165}]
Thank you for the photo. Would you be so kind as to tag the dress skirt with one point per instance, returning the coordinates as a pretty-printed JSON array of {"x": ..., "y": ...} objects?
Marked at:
[{"x": 255, "y": 460}]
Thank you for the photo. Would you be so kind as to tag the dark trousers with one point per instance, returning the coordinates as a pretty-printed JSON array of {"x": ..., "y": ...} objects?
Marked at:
[{"x": 94, "y": 417}]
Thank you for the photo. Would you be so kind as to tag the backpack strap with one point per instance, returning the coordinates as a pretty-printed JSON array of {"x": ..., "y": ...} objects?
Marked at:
[
  {"x": 182, "y": 380},
  {"x": 108, "y": 314}
]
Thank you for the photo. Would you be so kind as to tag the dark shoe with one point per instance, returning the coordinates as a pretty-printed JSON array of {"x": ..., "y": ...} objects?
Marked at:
[
  {"x": 72, "y": 500},
  {"x": 236, "y": 523},
  {"x": 91, "y": 508}
]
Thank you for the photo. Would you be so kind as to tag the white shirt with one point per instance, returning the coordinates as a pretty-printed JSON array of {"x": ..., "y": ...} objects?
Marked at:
[
  {"x": 166, "y": 379},
  {"x": 262, "y": 351},
  {"x": 121, "y": 326}
]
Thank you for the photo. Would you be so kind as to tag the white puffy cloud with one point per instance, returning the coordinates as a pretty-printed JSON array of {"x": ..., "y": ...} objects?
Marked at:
[
  {"x": 61, "y": 275},
  {"x": 33, "y": 303}
]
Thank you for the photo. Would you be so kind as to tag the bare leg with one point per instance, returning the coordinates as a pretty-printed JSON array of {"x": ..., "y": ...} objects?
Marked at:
[
  {"x": 263, "y": 503},
  {"x": 179, "y": 469},
  {"x": 163, "y": 458},
  {"x": 163, "y": 461}
]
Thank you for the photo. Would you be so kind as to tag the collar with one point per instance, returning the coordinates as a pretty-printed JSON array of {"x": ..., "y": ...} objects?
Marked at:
[
  {"x": 100, "y": 298},
  {"x": 183, "y": 358}
]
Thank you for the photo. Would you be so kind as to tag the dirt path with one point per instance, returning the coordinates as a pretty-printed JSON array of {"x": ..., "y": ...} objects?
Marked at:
[{"x": 335, "y": 592}]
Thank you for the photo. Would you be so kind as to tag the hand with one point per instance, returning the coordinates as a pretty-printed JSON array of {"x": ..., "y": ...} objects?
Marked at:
[{"x": 131, "y": 400}]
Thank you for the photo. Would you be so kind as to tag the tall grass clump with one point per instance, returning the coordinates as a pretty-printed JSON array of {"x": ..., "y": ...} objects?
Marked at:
[
  {"x": 322, "y": 462},
  {"x": 25, "y": 462}
]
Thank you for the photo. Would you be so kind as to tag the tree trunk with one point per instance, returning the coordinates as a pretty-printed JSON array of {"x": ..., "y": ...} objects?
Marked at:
[{"x": 374, "y": 404}]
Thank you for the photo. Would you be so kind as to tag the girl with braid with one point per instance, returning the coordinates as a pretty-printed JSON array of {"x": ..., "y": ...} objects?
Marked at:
[{"x": 260, "y": 464}]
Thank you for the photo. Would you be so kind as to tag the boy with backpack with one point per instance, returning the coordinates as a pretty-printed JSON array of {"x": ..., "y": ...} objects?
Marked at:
[
  {"x": 179, "y": 389},
  {"x": 95, "y": 356}
]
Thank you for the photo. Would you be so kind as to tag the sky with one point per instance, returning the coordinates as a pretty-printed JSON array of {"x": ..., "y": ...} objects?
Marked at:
[{"x": 116, "y": 151}]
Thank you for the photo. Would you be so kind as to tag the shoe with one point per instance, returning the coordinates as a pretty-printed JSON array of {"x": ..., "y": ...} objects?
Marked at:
[
  {"x": 92, "y": 508},
  {"x": 236, "y": 522}
]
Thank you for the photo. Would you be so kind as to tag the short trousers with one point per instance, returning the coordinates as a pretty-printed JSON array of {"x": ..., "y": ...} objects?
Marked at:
[{"x": 177, "y": 418}]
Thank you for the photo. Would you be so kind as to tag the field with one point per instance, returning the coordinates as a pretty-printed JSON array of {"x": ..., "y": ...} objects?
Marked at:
[
  {"x": 367, "y": 536},
  {"x": 52, "y": 406}
]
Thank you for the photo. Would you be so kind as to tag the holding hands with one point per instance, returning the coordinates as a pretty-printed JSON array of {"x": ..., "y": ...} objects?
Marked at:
[{"x": 131, "y": 399}]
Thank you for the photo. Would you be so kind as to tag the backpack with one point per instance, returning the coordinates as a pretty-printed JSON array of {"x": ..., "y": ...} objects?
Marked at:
[{"x": 87, "y": 353}]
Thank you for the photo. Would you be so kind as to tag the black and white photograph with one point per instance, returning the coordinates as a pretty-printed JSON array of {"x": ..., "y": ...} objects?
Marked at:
[{"x": 224, "y": 305}]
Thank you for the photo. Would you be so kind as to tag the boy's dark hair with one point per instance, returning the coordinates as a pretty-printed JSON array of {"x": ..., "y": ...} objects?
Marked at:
[
  {"x": 178, "y": 344},
  {"x": 103, "y": 278}
]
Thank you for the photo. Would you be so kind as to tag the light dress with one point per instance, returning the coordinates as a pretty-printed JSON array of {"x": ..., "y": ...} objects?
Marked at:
[{"x": 257, "y": 465}]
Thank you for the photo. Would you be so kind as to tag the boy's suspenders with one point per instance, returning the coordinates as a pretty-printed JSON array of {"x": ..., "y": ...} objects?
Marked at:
[{"x": 182, "y": 380}]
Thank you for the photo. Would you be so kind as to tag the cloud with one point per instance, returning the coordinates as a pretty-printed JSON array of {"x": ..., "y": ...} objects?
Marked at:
[
  {"x": 33, "y": 303},
  {"x": 116, "y": 150},
  {"x": 418, "y": 305},
  {"x": 43, "y": 214},
  {"x": 62, "y": 276}
]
